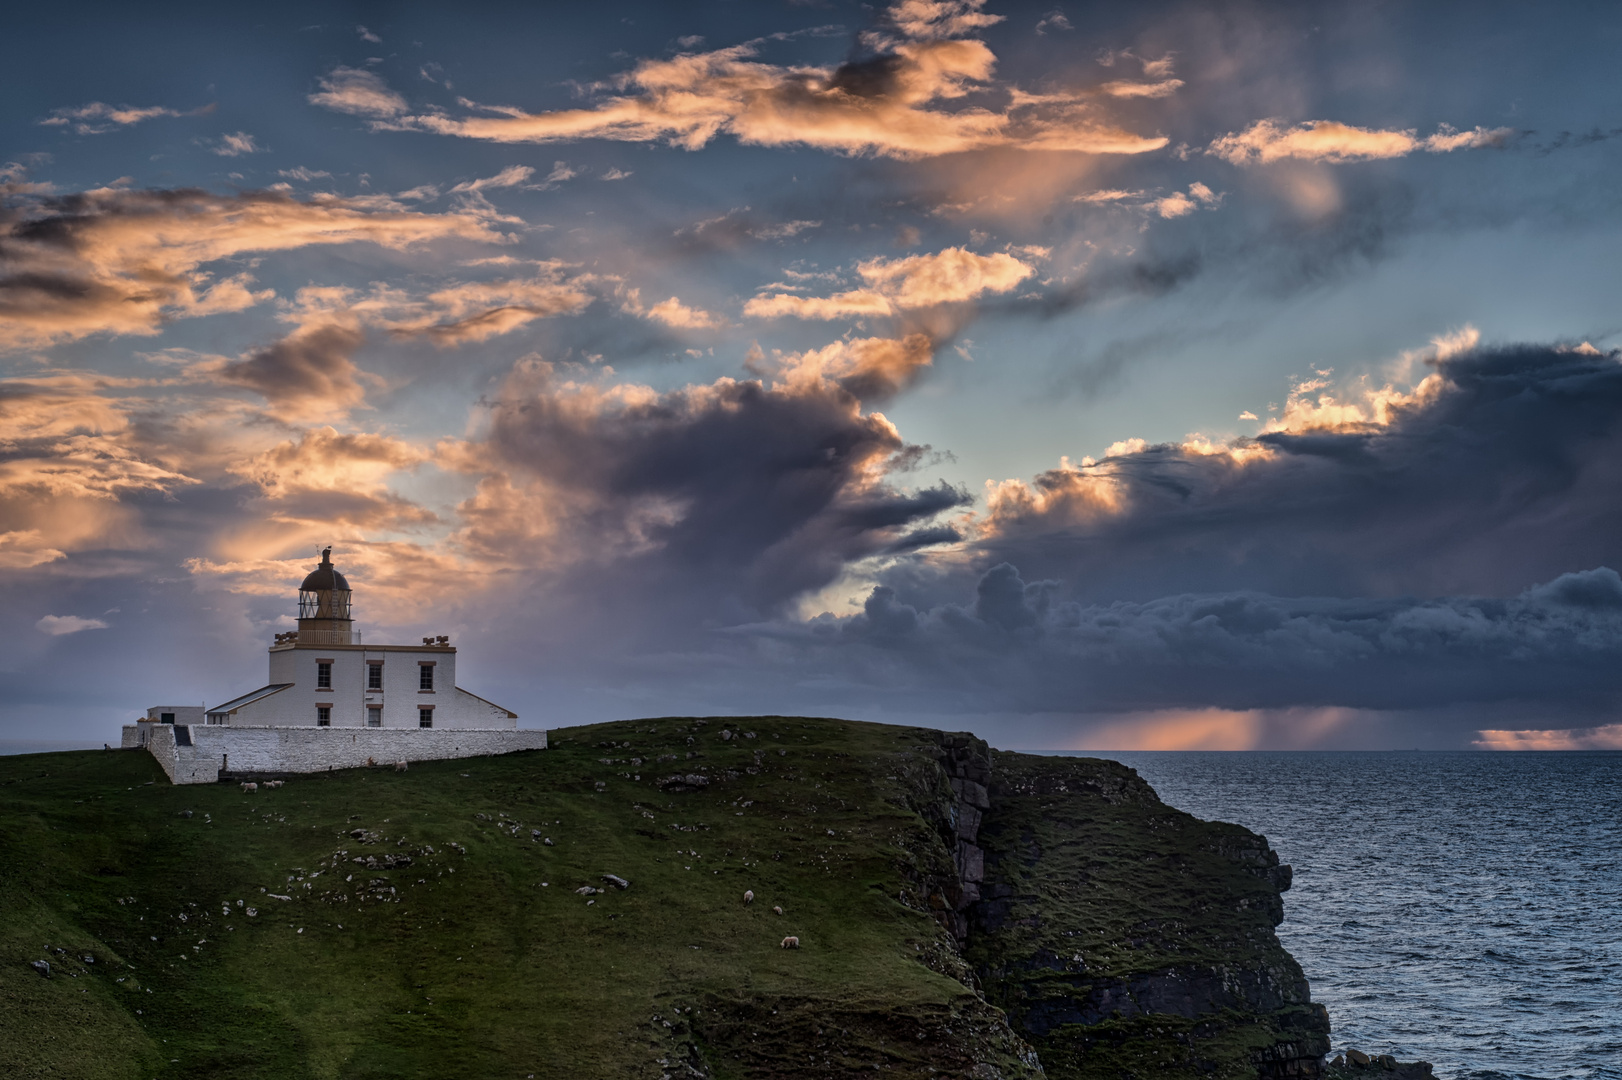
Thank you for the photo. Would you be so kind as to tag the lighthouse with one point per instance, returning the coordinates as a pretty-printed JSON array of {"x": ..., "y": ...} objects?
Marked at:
[
  {"x": 333, "y": 701},
  {"x": 323, "y": 606}
]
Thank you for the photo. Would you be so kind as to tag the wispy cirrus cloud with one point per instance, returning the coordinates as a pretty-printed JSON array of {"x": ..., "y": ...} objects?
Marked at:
[
  {"x": 1267, "y": 141},
  {"x": 98, "y": 118}
]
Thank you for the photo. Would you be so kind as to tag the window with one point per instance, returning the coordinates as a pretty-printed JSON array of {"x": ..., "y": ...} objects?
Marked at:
[
  {"x": 425, "y": 681},
  {"x": 323, "y": 675},
  {"x": 323, "y": 716},
  {"x": 374, "y": 716},
  {"x": 425, "y": 718},
  {"x": 374, "y": 676},
  {"x": 166, "y": 718}
]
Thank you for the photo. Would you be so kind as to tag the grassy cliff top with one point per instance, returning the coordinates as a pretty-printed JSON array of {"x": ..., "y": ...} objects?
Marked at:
[{"x": 431, "y": 923}]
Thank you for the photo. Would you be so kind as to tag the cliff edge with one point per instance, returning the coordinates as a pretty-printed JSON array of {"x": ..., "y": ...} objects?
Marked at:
[{"x": 764, "y": 897}]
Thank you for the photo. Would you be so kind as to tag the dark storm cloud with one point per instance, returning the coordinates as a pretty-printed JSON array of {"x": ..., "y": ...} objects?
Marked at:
[
  {"x": 1458, "y": 552},
  {"x": 1018, "y": 646},
  {"x": 1502, "y": 472},
  {"x": 738, "y": 496}
]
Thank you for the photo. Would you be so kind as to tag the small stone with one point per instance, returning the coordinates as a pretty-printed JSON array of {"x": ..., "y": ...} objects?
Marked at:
[
  {"x": 1356, "y": 1057},
  {"x": 42, "y": 967},
  {"x": 185, "y": 813},
  {"x": 616, "y": 881}
]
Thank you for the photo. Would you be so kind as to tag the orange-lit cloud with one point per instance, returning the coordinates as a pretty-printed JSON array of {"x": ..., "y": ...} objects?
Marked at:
[
  {"x": 98, "y": 118},
  {"x": 1607, "y": 737},
  {"x": 359, "y": 93},
  {"x": 869, "y": 368},
  {"x": 124, "y": 262},
  {"x": 951, "y": 276},
  {"x": 672, "y": 313},
  {"x": 1267, "y": 141},
  {"x": 904, "y": 103}
]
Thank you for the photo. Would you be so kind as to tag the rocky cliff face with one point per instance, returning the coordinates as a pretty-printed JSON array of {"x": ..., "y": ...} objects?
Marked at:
[{"x": 1124, "y": 937}]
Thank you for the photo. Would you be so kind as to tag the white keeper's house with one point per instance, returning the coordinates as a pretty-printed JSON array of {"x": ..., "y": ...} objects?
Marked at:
[{"x": 332, "y": 702}]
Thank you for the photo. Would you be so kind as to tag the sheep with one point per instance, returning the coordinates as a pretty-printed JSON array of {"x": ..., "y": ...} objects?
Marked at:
[
  {"x": 777, "y": 909},
  {"x": 749, "y": 896},
  {"x": 399, "y": 766},
  {"x": 250, "y": 787},
  {"x": 791, "y": 942}
]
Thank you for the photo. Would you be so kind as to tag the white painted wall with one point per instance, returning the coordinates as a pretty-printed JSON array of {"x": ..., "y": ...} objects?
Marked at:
[
  {"x": 349, "y": 697},
  {"x": 313, "y": 749}
]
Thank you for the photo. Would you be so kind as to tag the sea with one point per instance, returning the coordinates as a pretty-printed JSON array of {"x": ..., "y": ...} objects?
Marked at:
[{"x": 1459, "y": 908}]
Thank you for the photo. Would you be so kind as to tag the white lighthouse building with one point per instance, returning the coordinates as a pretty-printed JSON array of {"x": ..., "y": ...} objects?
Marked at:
[{"x": 333, "y": 702}]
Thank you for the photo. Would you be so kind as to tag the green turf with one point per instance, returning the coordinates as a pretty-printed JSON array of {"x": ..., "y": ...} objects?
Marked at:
[{"x": 480, "y": 959}]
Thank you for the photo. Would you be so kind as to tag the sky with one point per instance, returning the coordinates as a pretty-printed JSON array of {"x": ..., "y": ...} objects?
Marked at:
[{"x": 1150, "y": 376}]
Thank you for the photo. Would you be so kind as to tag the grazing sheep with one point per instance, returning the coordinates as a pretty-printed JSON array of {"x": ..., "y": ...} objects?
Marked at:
[
  {"x": 250, "y": 787},
  {"x": 777, "y": 909},
  {"x": 749, "y": 896},
  {"x": 791, "y": 942},
  {"x": 399, "y": 766}
]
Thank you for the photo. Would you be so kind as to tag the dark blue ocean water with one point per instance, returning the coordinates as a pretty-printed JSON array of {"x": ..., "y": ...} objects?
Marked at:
[{"x": 1460, "y": 908}]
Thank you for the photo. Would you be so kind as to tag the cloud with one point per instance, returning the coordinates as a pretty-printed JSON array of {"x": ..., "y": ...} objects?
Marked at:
[
  {"x": 1053, "y": 20},
  {"x": 1177, "y": 204},
  {"x": 477, "y": 311},
  {"x": 1605, "y": 737},
  {"x": 951, "y": 276},
  {"x": 359, "y": 93},
  {"x": 1019, "y": 645},
  {"x": 1349, "y": 492},
  {"x": 57, "y": 625},
  {"x": 511, "y": 176},
  {"x": 236, "y": 145},
  {"x": 309, "y": 374},
  {"x": 1125, "y": 88},
  {"x": 98, "y": 118},
  {"x": 674, "y": 313},
  {"x": 736, "y": 496},
  {"x": 931, "y": 19},
  {"x": 1267, "y": 141},
  {"x": 116, "y": 261},
  {"x": 905, "y": 101},
  {"x": 367, "y": 35}
]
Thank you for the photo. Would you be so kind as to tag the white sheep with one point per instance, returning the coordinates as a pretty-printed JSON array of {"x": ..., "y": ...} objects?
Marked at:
[
  {"x": 250, "y": 787},
  {"x": 777, "y": 909},
  {"x": 791, "y": 942},
  {"x": 749, "y": 896},
  {"x": 399, "y": 766}
]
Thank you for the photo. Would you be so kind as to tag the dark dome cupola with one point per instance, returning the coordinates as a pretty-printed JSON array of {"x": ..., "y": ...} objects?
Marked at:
[{"x": 323, "y": 606}]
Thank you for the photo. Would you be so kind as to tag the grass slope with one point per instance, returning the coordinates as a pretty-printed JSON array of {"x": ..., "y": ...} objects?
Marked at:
[{"x": 478, "y": 957}]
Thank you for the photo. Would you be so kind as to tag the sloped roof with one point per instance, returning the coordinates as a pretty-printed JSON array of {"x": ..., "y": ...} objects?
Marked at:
[{"x": 237, "y": 703}]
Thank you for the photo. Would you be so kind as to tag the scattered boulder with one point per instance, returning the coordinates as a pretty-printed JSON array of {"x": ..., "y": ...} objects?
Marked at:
[
  {"x": 687, "y": 782},
  {"x": 42, "y": 967},
  {"x": 616, "y": 881},
  {"x": 588, "y": 890},
  {"x": 185, "y": 813}
]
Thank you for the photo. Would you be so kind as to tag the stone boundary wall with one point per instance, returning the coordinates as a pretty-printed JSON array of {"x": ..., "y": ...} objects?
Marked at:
[{"x": 313, "y": 749}]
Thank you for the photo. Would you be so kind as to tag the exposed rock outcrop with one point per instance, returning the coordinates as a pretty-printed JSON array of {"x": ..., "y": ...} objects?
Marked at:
[{"x": 1125, "y": 937}]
